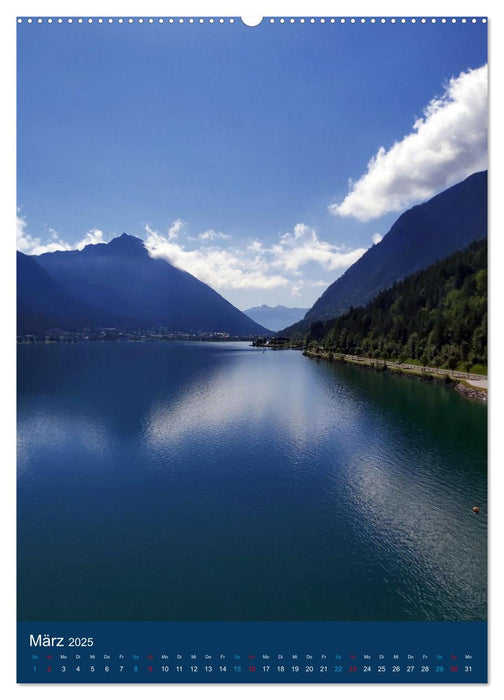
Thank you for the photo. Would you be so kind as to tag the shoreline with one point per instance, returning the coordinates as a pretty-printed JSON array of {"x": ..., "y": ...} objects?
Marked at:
[{"x": 460, "y": 381}]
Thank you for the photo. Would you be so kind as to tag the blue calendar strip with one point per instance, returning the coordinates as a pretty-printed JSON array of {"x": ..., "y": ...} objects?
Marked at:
[{"x": 252, "y": 652}]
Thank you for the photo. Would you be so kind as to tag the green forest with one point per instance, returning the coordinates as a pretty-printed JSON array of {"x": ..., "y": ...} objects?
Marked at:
[{"x": 436, "y": 317}]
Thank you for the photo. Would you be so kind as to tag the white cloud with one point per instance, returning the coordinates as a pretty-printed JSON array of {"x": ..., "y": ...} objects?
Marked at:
[
  {"x": 255, "y": 266},
  {"x": 303, "y": 246},
  {"x": 447, "y": 144},
  {"x": 50, "y": 247},
  {"x": 376, "y": 238},
  {"x": 318, "y": 283},
  {"x": 91, "y": 238},
  {"x": 220, "y": 268},
  {"x": 177, "y": 227},
  {"x": 32, "y": 245},
  {"x": 23, "y": 240},
  {"x": 212, "y": 235}
]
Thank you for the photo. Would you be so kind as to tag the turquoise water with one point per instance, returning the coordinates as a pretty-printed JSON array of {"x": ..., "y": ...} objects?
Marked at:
[{"x": 215, "y": 481}]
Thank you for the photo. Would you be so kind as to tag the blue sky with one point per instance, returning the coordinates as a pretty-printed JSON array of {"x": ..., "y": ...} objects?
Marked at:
[{"x": 229, "y": 149}]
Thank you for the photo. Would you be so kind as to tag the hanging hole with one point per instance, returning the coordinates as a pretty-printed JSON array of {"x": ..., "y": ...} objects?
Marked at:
[{"x": 252, "y": 21}]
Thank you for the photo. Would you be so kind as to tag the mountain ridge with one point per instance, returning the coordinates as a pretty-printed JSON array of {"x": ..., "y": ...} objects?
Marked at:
[
  {"x": 124, "y": 286},
  {"x": 275, "y": 317},
  {"x": 423, "y": 234}
]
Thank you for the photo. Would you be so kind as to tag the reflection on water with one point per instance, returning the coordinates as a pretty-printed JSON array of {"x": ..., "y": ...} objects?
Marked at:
[{"x": 217, "y": 481}]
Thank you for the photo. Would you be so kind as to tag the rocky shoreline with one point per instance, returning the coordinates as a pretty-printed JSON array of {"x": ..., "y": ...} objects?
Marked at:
[
  {"x": 463, "y": 387},
  {"x": 472, "y": 392}
]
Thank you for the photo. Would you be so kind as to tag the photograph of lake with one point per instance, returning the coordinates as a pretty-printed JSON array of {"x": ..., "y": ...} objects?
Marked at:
[
  {"x": 215, "y": 481},
  {"x": 252, "y": 362}
]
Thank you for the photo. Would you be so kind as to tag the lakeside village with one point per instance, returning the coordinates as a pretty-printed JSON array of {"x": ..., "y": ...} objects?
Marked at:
[{"x": 57, "y": 335}]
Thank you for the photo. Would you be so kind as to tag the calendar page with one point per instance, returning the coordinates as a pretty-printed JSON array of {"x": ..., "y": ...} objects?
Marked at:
[{"x": 252, "y": 349}]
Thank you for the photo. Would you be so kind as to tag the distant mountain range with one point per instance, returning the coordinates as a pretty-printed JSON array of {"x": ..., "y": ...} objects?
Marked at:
[
  {"x": 275, "y": 317},
  {"x": 426, "y": 233},
  {"x": 119, "y": 285}
]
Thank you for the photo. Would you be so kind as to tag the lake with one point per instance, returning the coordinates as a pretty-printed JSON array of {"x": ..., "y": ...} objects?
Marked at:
[{"x": 216, "y": 481}]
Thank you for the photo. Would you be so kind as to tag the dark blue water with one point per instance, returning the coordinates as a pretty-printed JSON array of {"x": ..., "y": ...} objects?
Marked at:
[{"x": 200, "y": 481}]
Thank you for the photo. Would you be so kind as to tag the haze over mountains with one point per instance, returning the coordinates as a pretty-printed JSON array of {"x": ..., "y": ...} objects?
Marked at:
[
  {"x": 119, "y": 285},
  {"x": 275, "y": 317},
  {"x": 422, "y": 235}
]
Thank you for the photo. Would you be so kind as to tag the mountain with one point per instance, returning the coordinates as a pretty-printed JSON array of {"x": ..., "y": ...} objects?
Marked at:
[
  {"x": 43, "y": 303},
  {"x": 118, "y": 284},
  {"x": 436, "y": 317},
  {"x": 275, "y": 317},
  {"x": 425, "y": 233}
]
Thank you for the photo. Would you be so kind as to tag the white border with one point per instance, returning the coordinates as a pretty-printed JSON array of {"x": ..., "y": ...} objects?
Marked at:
[{"x": 426, "y": 8}]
